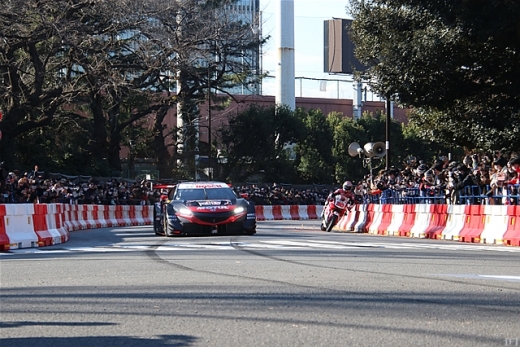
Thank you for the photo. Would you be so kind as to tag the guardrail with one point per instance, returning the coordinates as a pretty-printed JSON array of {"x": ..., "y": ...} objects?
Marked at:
[
  {"x": 39, "y": 225},
  {"x": 469, "y": 195}
]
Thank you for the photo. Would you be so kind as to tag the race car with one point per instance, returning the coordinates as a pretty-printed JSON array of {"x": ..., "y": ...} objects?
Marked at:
[{"x": 202, "y": 208}]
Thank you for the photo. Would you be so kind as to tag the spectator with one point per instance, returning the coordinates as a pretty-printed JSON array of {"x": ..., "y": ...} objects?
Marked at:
[{"x": 499, "y": 179}]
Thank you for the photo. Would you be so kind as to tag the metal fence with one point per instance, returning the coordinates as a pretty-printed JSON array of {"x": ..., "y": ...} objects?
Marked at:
[{"x": 469, "y": 195}]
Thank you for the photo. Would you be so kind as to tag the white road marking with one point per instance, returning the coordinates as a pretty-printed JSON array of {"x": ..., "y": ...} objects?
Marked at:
[
  {"x": 266, "y": 244},
  {"x": 487, "y": 277}
]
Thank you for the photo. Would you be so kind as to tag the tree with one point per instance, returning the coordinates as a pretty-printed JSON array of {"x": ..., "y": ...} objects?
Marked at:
[
  {"x": 455, "y": 63},
  {"x": 64, "y": 59},
  {"x": 314, "y": 161},
  {"x": 112, "y": 62},
  {"x": 208, "y": 48},
  {"x": 255, "y": 140}
]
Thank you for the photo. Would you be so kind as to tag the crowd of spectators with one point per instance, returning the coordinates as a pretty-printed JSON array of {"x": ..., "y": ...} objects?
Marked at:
[
  {"x": 283, "y": 194},
  {"x": 478, "y": 178},
  {"x": 38, "y": 187}
]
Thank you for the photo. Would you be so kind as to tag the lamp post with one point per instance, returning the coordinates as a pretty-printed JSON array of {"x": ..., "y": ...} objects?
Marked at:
[{"x": 210, "y": 169}]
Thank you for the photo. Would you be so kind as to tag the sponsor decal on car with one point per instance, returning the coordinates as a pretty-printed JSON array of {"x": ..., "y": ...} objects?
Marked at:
[
  {"x": 202, "y": 185},
  {"x": 213, "y": 208},
  {"x": 213, "y": 202}
]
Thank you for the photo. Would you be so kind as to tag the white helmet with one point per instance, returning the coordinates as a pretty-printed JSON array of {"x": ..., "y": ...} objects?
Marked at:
[{"x": 347, "y": 185}]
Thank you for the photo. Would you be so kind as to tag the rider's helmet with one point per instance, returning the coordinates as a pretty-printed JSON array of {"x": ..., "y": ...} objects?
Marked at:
[{"x": 347, "y": 185}]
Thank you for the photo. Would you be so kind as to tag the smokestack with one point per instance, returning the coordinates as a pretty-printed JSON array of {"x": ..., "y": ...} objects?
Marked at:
[{"x": 285, "y": 78}]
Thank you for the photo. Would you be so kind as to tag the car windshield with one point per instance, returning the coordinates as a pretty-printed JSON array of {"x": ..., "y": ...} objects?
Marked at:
[{"x": 205, "y": 194}]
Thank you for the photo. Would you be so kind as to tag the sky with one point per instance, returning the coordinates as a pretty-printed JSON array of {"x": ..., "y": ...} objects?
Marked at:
[{"x": 309, "y": 16}]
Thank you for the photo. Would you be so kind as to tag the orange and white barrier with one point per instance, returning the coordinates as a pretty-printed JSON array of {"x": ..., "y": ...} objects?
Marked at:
[
  {"x": 259, "y": 210},
  {"x": 386, "y": 219},
  {"x": 362, "y": 218},
  {"x": 45, "y": 238},
  {"x": 19, "y": 227},
  {"x": 277, "y": 212},
  {"x": 286, "y": 212},
  {"x": 438, "y": 221},
  {"x": 55, "y": 223},
  {"x": 512, "y": 235},
  {"x": 454, "y": 223},
  {"x": 408, "y": 220},
  {"x": 268, "y": 212},
  {"x": 473, "y": 224},
  {"x": 421, "y": 222},
  {"x": 467, "y": 223},
  {"x": 396, "y": 221},
  {"x": 38, "y": 225},
  {"x": 376, "y": 216},
  {"x": 495, "y": 224}
]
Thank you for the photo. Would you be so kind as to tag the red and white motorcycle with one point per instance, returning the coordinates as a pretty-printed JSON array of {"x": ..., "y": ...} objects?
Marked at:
[{"x": 333, "y": 211}]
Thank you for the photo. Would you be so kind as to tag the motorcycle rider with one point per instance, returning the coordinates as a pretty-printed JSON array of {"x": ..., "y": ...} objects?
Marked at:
[{"x": 346, "y": 191}]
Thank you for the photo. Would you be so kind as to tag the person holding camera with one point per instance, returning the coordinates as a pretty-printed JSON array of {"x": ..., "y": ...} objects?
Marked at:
[
  {"x": 498, "y": 181},
  {"x": 461, "y": 179}
]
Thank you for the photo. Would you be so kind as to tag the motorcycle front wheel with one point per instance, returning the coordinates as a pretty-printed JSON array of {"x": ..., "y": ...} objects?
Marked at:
[{"x": 332, "y": 221}]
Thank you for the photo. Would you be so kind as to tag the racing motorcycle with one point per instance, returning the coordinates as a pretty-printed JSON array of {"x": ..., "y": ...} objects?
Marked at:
[{"x": 332, "y": 213}]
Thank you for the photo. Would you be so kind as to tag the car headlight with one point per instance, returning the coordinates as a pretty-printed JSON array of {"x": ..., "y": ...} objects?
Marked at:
[
  {"x": 239, "y": 209},
  {"x": 185, "y": 212}
]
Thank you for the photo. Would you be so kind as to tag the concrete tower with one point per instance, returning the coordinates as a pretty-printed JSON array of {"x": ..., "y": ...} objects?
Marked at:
[{"x": 285, "y": 75}]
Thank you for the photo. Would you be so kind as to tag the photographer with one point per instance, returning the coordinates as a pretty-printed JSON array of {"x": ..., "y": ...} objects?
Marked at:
[
  {"x": 498, "y": 181},
  {"x": 462, "y": 179}
]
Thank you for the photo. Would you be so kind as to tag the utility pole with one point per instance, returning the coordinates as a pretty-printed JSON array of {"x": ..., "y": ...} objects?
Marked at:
[
  {"x": 210, "y": 169},
  {"x": 388, "y": 123}
]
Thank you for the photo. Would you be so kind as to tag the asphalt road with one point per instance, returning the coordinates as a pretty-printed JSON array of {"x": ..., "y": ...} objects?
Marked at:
[{"x": 289, "y": 285}]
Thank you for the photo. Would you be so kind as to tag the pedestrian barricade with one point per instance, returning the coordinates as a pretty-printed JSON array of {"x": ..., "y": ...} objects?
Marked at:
[
  {"x": 285, "y": 211},
  {"x": 4, "y": 239},
  {"x": 317, "y": 210},
  {"x": 386, "y": 219},
  {"x": 277, "y": 212},
  {"x": 454, "y": 223},
  {"x": 352, "y": 218},
  {"x": 110, "y": 215},
  {"x": 438, "y": 220},
  {"x": 99, "y": 215},
  {"x": 40, "y": 225},
  {"x": 294, "y": 212},
  {"x": 268, "y": 213},
  {"x": 408, "y": 220},
  {"x": 37, "y": 225},
  {"x": 376, "y": 215},
  {"x": 512, "y": 235},
  {"x": 19, "y": 226},
  {"x": 422, "y": 221},
  {"x": 55, "y": 223},
  {"x": 495, "y": 224},
  {"x": 397, "y": 220},
  {"x": 259, "y": 211},
  {"x": 362, "y": 218},
  {"x": 473, "y": 224}
]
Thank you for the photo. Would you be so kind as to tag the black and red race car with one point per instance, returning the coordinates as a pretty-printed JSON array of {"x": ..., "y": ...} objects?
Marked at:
[{"x": 202, "y": 208}]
